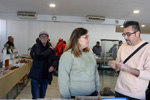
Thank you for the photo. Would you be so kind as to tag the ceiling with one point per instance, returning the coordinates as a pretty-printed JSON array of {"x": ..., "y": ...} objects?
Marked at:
[{"x": 113, "y": 9}]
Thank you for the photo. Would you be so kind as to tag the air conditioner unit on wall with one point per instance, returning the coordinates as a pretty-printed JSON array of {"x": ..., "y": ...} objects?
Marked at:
[
  {"x": 27, "y": 15},
  {"x": 95, "y": 18}
]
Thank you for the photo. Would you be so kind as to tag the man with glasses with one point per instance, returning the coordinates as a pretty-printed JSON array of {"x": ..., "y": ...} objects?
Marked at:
[
  {"x": 44, "y": 61},
  {"x": 135, "y": 73}
]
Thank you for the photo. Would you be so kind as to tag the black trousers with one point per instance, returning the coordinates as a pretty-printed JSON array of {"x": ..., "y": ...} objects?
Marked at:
[
  {"x": 93, "y": 94},
  {"x": 56, "y": 67},
  {"x": 121, "y": 95}
]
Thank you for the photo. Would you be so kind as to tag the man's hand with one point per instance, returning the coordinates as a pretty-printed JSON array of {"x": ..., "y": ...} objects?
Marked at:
[
  {"x": 113, "y": 64},
  {"x": 51, "y": 69},
  {"x": 128, "y": 69},
  {"x": 51, "y": 47},
  {"x": 123, "y": 67}
]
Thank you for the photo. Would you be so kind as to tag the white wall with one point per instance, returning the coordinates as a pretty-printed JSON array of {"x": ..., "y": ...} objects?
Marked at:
[
  {"x": 2, "y": 35},
  {"x": 63, "y": 30},
  {"x": 25, "y": 32},
  {"x": 145, "y": 37},
  {"x": 55, "y": 30},
  {"x": 19, "y": 30}
]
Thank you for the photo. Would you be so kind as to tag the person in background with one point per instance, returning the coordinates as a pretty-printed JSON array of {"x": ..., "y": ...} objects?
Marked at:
[
  {"x": 44, "y": 61},
  {"x": 134, "y": 75},
  {"x": 78, "y": 75},
  {"x": 120, "y": 43},
  {"x": 59, "y": 48},
  {"x": 9, "y": 45},
  {"x": 64, "y": 41},
  {"x": 97, "y": 49},
  {"x": 113, "y": 51}
]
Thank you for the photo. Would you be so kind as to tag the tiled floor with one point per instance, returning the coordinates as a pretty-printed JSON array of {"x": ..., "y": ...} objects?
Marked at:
[{"x": 53, "y": 91}]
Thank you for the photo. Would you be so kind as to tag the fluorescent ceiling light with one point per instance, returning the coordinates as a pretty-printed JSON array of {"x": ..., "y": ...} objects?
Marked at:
[
  {"x": 142, "y": 25},
  {"x": 136, "y": 11},
  {"x": 52, "y": 5}
]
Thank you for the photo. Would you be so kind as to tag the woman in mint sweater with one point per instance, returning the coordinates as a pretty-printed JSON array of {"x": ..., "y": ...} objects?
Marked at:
[{"x": 78, "y": 75}]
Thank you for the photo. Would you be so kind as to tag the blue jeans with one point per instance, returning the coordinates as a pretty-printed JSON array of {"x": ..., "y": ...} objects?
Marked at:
[
  {"x": 38, "y": 88},
  {"x": 121, "y": 95}
]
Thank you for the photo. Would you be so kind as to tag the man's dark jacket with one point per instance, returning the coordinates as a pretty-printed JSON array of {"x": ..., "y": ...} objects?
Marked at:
[
  {"x": 9, "y": 45},
  {"x": 43, "y": 57}
]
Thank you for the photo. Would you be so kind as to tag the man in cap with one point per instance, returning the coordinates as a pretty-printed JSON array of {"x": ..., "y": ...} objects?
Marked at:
[{"x": 44, "y": 61}]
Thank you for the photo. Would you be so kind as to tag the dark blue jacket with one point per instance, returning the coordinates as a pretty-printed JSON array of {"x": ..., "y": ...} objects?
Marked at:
[{"x": 41, "y": 55}]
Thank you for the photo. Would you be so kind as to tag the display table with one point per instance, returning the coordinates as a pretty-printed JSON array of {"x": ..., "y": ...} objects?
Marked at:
[{"x": 9, "y": 80}]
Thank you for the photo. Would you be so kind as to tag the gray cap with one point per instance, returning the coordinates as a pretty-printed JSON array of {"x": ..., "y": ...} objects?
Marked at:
[{"x": 43, "y": 33}]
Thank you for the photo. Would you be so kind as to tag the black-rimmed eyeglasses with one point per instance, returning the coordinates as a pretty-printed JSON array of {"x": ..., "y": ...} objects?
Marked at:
[{"x": 128, "y": 34}]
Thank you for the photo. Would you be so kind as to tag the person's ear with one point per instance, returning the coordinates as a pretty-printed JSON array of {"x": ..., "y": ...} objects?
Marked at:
[{"x": 138, "y": 33}]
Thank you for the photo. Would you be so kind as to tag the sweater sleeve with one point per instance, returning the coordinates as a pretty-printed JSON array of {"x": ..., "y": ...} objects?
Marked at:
[
  {"x": 145, "y": 72},
  {"x": 97, "y": 80},
  {"x": 65, "y": 65}
]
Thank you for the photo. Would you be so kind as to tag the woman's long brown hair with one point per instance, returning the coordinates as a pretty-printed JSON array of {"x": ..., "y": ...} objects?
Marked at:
[{"x": 73, "y": 42}]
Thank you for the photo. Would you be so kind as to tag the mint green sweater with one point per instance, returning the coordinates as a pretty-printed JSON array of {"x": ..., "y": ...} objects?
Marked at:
[{"x": 77, "y": 76}]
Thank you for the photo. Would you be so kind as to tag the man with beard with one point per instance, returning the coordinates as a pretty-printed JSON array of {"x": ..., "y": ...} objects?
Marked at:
[{"x": 135, "y": 73}]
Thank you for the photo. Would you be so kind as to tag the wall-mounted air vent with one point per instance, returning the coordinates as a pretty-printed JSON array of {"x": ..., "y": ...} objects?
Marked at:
[
  {"x": 23, "y": 14},
  {"x": 95, "y": 18}
]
